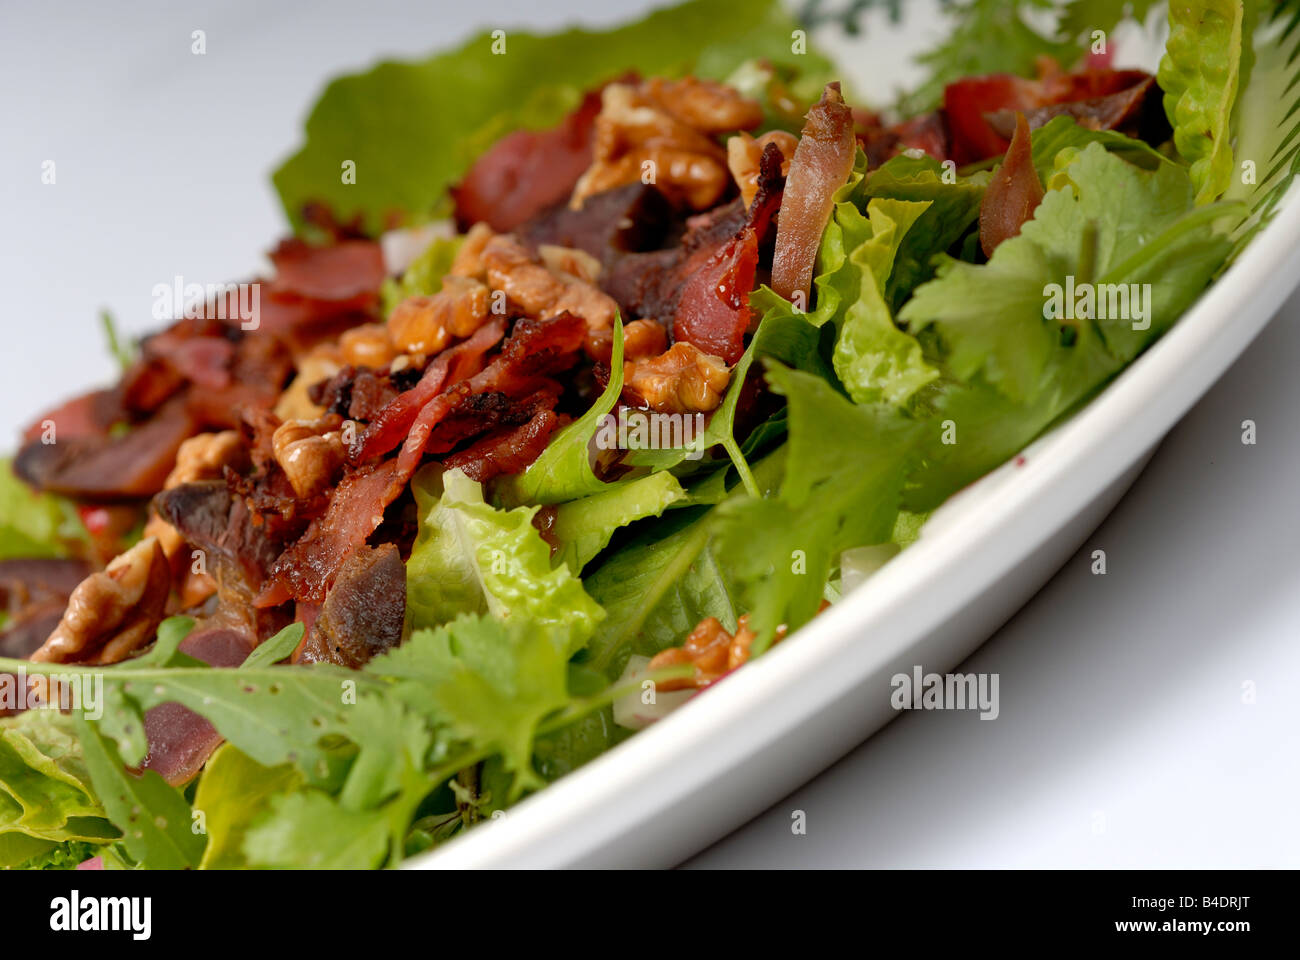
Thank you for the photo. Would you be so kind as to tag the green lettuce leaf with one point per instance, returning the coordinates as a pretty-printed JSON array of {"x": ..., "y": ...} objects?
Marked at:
[
  {"x": 35, "y": 525},
  {"x": 423, "y": 277},
  {"x": 46, "y": 796},
  {"x": 1111, "y": 223},
  {"x": 470, "y": 557},
  {"x": 845, "y": 467},
  {"x": 413, "y": 129},
  {"x": 1199, "y": 74},
  {"x": 490, "y": 682},
  {"x": 873, "y": 358},
  {"x": 233, "y": 791},
  {"x": 584, "y": 527},
  {"x": 1266, "y": 118}
]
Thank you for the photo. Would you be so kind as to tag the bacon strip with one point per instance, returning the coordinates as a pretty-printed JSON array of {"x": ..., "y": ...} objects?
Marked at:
[
  {"x": 451, "y": 366},
  {"x": 713, "y": 311},
  {"x": 506, "y": 451},
  {"x": 1012, "y": 195},
  {"x": 822, "y": 163}
]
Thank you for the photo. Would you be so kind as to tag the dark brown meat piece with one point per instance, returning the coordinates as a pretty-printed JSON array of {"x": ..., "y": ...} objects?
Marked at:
[{"x": 364, "y": 612}]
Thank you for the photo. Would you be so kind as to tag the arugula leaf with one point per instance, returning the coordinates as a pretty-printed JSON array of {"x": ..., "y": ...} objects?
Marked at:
[
  {"x": 564, "y": 469},
  {"x": 412, "y": 129},
  {"x": 233, "y": 790},
  {"x": 276, "y": 648},
  {"x": 32, "y": 524},
  {"x": 154, "y": 818},
  {"x": 423, "y": 277},
  {"x": 584, "y": 527},
  {"x": 470, "y": 557},
  {"x": 1199, "y": 75}
]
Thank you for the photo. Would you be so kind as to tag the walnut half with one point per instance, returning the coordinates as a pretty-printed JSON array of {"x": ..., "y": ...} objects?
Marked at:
[
  {"x": 684, "y": 379},
  {"x": 113, "y": 612}
]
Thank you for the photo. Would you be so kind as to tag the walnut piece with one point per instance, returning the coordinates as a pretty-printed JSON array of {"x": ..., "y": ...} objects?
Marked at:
[
  {"x": 543, "y": 292},
  {"x": 310, "y": 452},
  {"x": 662, "y": 132},
  {"x": 744, "y": 153},
  {"x": 427, "y": 324},
  {"x": 369, "y": 345},
  {"x": 113, "y": 612},
  {"x": 201, "y": 457},
  {"x": 711, "y": 650},
  {"x": 681, "y": 380},
  {"x": 316, "y": 366}
]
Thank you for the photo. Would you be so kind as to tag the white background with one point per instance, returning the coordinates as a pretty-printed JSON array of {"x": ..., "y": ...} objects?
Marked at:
[{"x": 1123, "y": 738}]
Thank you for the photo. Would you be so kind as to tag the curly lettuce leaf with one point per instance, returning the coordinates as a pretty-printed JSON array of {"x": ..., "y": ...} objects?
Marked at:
[
  {"x": 46, "y": 795},
  {"x": 470, "y": 557},
  {"x": 873, "y": 358},
  {"x": 413, "y": 129},
  {"x": 233, "y": 791},
  {"x": 954, "y": 207},
  {"x": 1266, "y": 119},
  {"x": 1199, "y": 74}
]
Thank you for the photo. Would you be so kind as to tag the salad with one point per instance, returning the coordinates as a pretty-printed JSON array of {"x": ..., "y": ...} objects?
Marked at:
[{"x": 596, "y": 365}]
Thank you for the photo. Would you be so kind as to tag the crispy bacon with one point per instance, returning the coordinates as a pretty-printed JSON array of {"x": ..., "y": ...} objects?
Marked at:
[
  {"x": 506, "y": 451},
  {"x": 1135, "y": 110},
  {"x": 534, "y": 349},
  {"x": 1012, "y": 195},
  {"x": 821, "y": 165},
  {"x": 451, "y": 366},
  {"x": 89, "y": 415},
  {"x": 713, "y": 312},
  {"x": 526, "y": 172},
  {"x": 305, "y": 571}
]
